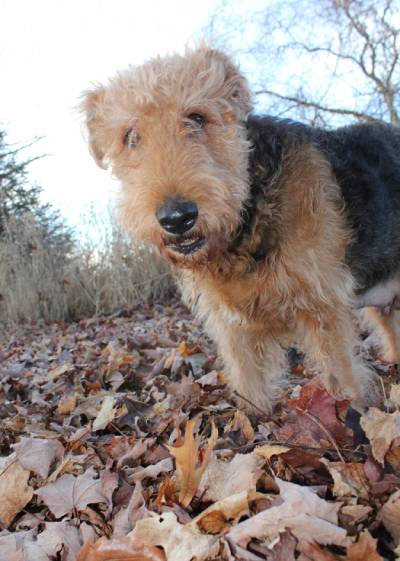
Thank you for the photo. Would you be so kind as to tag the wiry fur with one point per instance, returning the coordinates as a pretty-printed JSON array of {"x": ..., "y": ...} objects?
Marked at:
[{"x": 280, "y": 263}]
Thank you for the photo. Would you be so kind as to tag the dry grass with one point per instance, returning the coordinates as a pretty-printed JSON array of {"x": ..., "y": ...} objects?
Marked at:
[{"x": 99, "y": 275}]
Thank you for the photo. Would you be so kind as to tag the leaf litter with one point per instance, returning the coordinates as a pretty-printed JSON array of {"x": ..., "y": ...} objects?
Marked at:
[{"x": 120, "y": 440}]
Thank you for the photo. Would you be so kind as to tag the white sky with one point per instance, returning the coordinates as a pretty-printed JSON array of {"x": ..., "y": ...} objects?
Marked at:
[{"x": 51, "y": 50}]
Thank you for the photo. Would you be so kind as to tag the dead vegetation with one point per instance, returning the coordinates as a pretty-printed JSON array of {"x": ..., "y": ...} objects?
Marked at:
[
  {"x": 120, "y": 440},
  {"x": 101, "y": 273}
]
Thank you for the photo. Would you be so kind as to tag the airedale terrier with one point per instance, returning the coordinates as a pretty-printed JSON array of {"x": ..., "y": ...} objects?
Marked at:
[{"x": 275, "y": 229}]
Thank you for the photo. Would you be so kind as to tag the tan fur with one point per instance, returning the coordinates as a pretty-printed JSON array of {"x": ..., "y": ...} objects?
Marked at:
[
  {"x": 303, "y": 292},
  {"x": 387, "y": 325}
]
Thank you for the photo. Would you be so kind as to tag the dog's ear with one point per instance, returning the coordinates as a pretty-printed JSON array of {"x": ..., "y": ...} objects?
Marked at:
[
  {"x": 235, "y": 86},
  {"x": 92, "y": 107}
]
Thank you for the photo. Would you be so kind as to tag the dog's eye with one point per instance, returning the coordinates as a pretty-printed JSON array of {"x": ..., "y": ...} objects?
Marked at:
[
  {"x": 131, "y": 138},
  {"x": 196, "y": 119}
]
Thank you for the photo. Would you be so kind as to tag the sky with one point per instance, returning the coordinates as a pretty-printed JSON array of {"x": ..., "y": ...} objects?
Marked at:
[{"x": 52, "y": 50}]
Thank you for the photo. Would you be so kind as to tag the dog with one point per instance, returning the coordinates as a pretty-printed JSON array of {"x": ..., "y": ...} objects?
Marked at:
[{"x": 275, "y": 229}]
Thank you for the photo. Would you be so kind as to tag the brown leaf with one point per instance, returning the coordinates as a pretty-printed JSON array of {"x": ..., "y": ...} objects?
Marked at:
[
  {"x": 187, "y": 458},
  {"x": 349, "y": 479},
  {"x": 15, "y": 492},
  {"x": 38, "y": 454},
  {"x": 298, "y": 509},
  {"x": 364, "y": 549},
  {"x": 390, "y": 516},
  {"x": 381, "y": 428},
  {"x": 70, "y": 492},
  {"x": 314, "y": 552},
  {"x": 120, "y": 549},
  {"x": 316, "y": 420},
  {"x": 223, "y": 479},
  {"x": 180, "y": 542}
]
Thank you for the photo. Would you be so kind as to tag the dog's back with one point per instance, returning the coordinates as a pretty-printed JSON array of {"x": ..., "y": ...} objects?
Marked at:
[{"x": 365, "y": 159}]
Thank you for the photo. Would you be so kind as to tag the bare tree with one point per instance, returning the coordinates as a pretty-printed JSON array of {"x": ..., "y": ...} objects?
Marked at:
[{"x": 325, "y": 61}]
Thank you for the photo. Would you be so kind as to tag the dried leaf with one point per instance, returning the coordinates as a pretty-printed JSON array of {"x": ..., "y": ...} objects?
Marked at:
[
  {"x": 223, "y": 479},
  {"x": 381, "y": 429},
  {"x": 187, "y": 458},
  {"x": 106, "y": 414},
  {"x": 349, "y": 479},
  {"x": 390, "y": 516},
  {"x": 59, "y": 536},
  {"x": 302, "y": 512},
  {"x": 180, "y": 542},
  {"x": 268, "y": 450},
  {"x": 395, "y": 394},
  {"x": 364, "y": 549},
  {"x": 120, "y": 549},
  {"x": 38, "y": 454},
  {"x": 215, "y": 518},
  {"x": 70, "y": 492},
  {"x": 15, "y": 492}
]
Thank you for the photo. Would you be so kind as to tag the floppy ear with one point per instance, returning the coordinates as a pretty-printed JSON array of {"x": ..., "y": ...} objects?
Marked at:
[
  {"x": 92, "y": 107},
  {"x": 235, "y": 86}
]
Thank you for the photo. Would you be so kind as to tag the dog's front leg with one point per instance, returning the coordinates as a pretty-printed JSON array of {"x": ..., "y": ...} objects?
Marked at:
[
  {"x": 254, "y": 363},
  {"x": 329, "y": 340}
]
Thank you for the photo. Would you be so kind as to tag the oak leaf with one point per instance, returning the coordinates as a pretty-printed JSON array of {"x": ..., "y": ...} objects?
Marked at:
[{"x": 189, "y": 466}]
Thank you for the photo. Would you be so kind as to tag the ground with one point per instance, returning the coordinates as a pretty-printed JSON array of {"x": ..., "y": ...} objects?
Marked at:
[{"x": 122, "y": 428}]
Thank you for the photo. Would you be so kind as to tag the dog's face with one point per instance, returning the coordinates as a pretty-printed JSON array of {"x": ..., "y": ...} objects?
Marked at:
[{"x": 173, "y": 132}]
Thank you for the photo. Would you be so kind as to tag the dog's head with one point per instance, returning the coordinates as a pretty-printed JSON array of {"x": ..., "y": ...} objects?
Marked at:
[{"x": 173, "y": 131}]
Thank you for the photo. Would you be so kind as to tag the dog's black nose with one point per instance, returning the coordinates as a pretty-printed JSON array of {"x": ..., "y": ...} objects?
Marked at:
[{"x": 177, "y": 216}]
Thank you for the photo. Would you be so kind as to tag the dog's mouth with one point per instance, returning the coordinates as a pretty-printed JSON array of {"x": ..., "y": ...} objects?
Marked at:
[{"x": 187, "y": 244}]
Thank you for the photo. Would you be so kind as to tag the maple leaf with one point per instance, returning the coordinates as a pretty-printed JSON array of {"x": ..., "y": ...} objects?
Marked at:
[
  {"x": 381, "y": 428},
  {"x": 189, "y": 470},
  {"x": 70, "y": 492},
  {"x": 15, "y": 492}
]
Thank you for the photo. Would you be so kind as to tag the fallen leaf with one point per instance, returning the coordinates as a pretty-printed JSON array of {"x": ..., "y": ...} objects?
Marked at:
[
  {"x": 348, "y": 479},
  {"x": 120, "y": 549},
  {"x": 38, "y": 454},
  {"x": 298, "y": 509},
  {"x": 70, "y": 492},
  {"x": 395, "y": 394},
  {"x": 153, "y": 470},
  {"x": 214, "y": 519},
  {"x": 364, "y": 549},
  {"x": 59, "y": 536},
  {"x": 390, "y": 516},
  {"x": 240, "y": 422},
  {"x": 66, "y": 404},
  {"x": 187, "y": 458},
  {"x": 15, "y": 492},
  {"x": 106, "y": 414},
  {"x": 223, "y": 479},
  {"x": 180, "y": 542},
  {"x": 381, "y": 429},
  {"x": 268, "y": 450}
]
